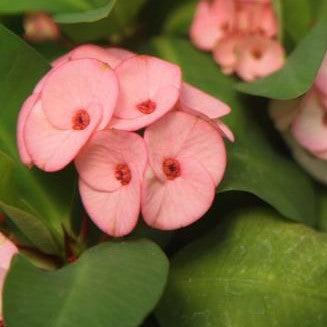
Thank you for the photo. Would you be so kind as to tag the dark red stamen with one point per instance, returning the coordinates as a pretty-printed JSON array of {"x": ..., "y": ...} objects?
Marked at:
[
  {"x": 172, "y": 168},
  {"x": 257, "y": 54},
  {"x": 123, "y": 174},
  {"x": 80, "y": 120},
  {"x": 147, "y": 107}
]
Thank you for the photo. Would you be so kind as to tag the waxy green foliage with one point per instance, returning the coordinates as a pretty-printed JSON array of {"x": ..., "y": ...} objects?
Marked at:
[
  {"x": 112, "y": 284},
  {"x": 255, "y": 269}
]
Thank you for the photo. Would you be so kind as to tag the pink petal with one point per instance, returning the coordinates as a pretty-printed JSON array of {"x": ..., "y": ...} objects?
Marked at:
[
  {"x": 192, "y": 99},
  {"x": 3, "y": 274},
  {"x": 61, "y": 60},
  {"x": 226, "y": 52},
  {"x": 181, "y": 135},
  {"x": 212, "y": 20},
  {"x": 180, "y": 202},
  {"x": 23, "y": 114},
  {"x": 116, "y": 213},
  {"x": 118, "y": 55},
  {"x": 321, "y": 80},
  {"x": 7, "y": 251},
  {"x": 259, "y": 57},
  {"x": 149, "y": 87},
  {"x": 52, "y": 149},
  {"x": 84, "y": 84},
  {"x": 97, "y": 162},
  {"x": 309, "y": 127},
  {"x": 225, "y": 131}
]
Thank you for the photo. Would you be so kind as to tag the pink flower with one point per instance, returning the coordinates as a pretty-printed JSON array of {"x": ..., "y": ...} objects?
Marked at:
[
  {"x": 198, "y": 103},
  {"x": 212, "y": 20},
  {"x": 309, "y": 127},
  {"x": 250, "y": 57},
  {"x": 111, "y": 168},
  {"x": 73, "y": 101},
  {"x": 7, "y": 251},
  {"x": 40, "y": 27},
  {"x": 187, "y": 160},
  {"x": 321, "y": 80},
  {"x": 247, "y": 44},
  {"x": 149, "y": 88}
]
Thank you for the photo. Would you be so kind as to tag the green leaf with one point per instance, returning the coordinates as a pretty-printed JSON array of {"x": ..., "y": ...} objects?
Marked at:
[
  {"x": 112, "y": 284},
  {"x": 65, "y": 11},
  {"x": 46, "y": 197},
  {"x": 115, "y": 26},
  {"x": 299, "y": 72},
  {"x": 254, "y": 165},
  {"x": 253, "y": 270}
]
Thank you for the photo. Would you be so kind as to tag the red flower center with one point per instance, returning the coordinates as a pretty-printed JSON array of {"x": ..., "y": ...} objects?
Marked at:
[
  {"x": 257, "y": 53},
  {"x": 2, "y": 324},
  {"x": 147, "y": 107},
  {"x": 172, "y": 168},
  {"x": 80, "y": 120},
  {"x": 123, "y": 174}
]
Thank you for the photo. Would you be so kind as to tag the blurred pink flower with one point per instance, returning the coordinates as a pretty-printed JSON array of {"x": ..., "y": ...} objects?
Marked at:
[
  {"x": 40, "y": 27},
  {"x": 187, "y": 160},
  {"x": 248, "y": 45},
  {"x": 111, "y": 168},
  {"x": 212, "y": 20},
  {"x": 7, "y": 251},
  {"x": 73, "y": 101},
  {"x": 309, "y": 127}
]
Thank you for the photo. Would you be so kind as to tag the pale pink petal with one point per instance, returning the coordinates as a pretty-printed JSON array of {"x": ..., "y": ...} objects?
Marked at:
[
  {"x": 118, "y": 55},
  {"x": 116, "y": 213},
  {"x": 61, "y": 60},
  {"x": 259, "y": 56},
  {"x": 321, "y": 80},
  {"x": 256, "y": 18},
  {"x": 23, "y": 114},
  {"x": 83, "y": 84},
  {"x": 7, "y": 250},
  {"x": 179, "y": 202},
  {"x": 145, "y": 79},
  {"x": 192, "y": 99},
  {"x": 225, "y": 131},
  {"x": 226, "y": 53},
  {"x": 211, "y": 22},
  {"x": 179, "y": 134},
  {"x": 52, "y": 149},
  {"x": 310, "y": 127},
  {"x": 97, "y": 161},
  {"x": 3, "y": 274}
]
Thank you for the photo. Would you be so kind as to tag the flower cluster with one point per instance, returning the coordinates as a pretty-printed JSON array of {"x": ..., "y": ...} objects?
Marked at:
[
  {"x": 304, "y": 120},
  {"x": 7, "y": 251},
  {"x": 89, "y": 107},
  {"x": 241, "y": 34}
]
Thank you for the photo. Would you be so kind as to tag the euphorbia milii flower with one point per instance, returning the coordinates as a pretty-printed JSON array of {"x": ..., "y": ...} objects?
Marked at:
[
  {"x": 40, "y": 27},
  {"x": 251, "y": 58},
  {"x": 76, "y": 99},
  {"x": 7, "y": 251},
  {"x": 310, "y": 125},
  {"x": 199, "y": 103},
  {"x": 148, "y": 88},
  {"x": 212, "y": 20},
  {"x": 187, "y": 160},
  {"x": 111, "y": 168}
]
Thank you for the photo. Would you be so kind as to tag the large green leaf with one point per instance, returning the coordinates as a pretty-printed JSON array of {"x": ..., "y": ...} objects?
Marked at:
[
  {"x": 112, "y": 284},
  {"x": 65, "y": 11},
  {"x": 30, "y": 193},
  {"x": 299, "y": 72},
  {"x": 253, "y": 164},
  {"x": 255, "y": 270},
  {"x": 115, "y": 26}
]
